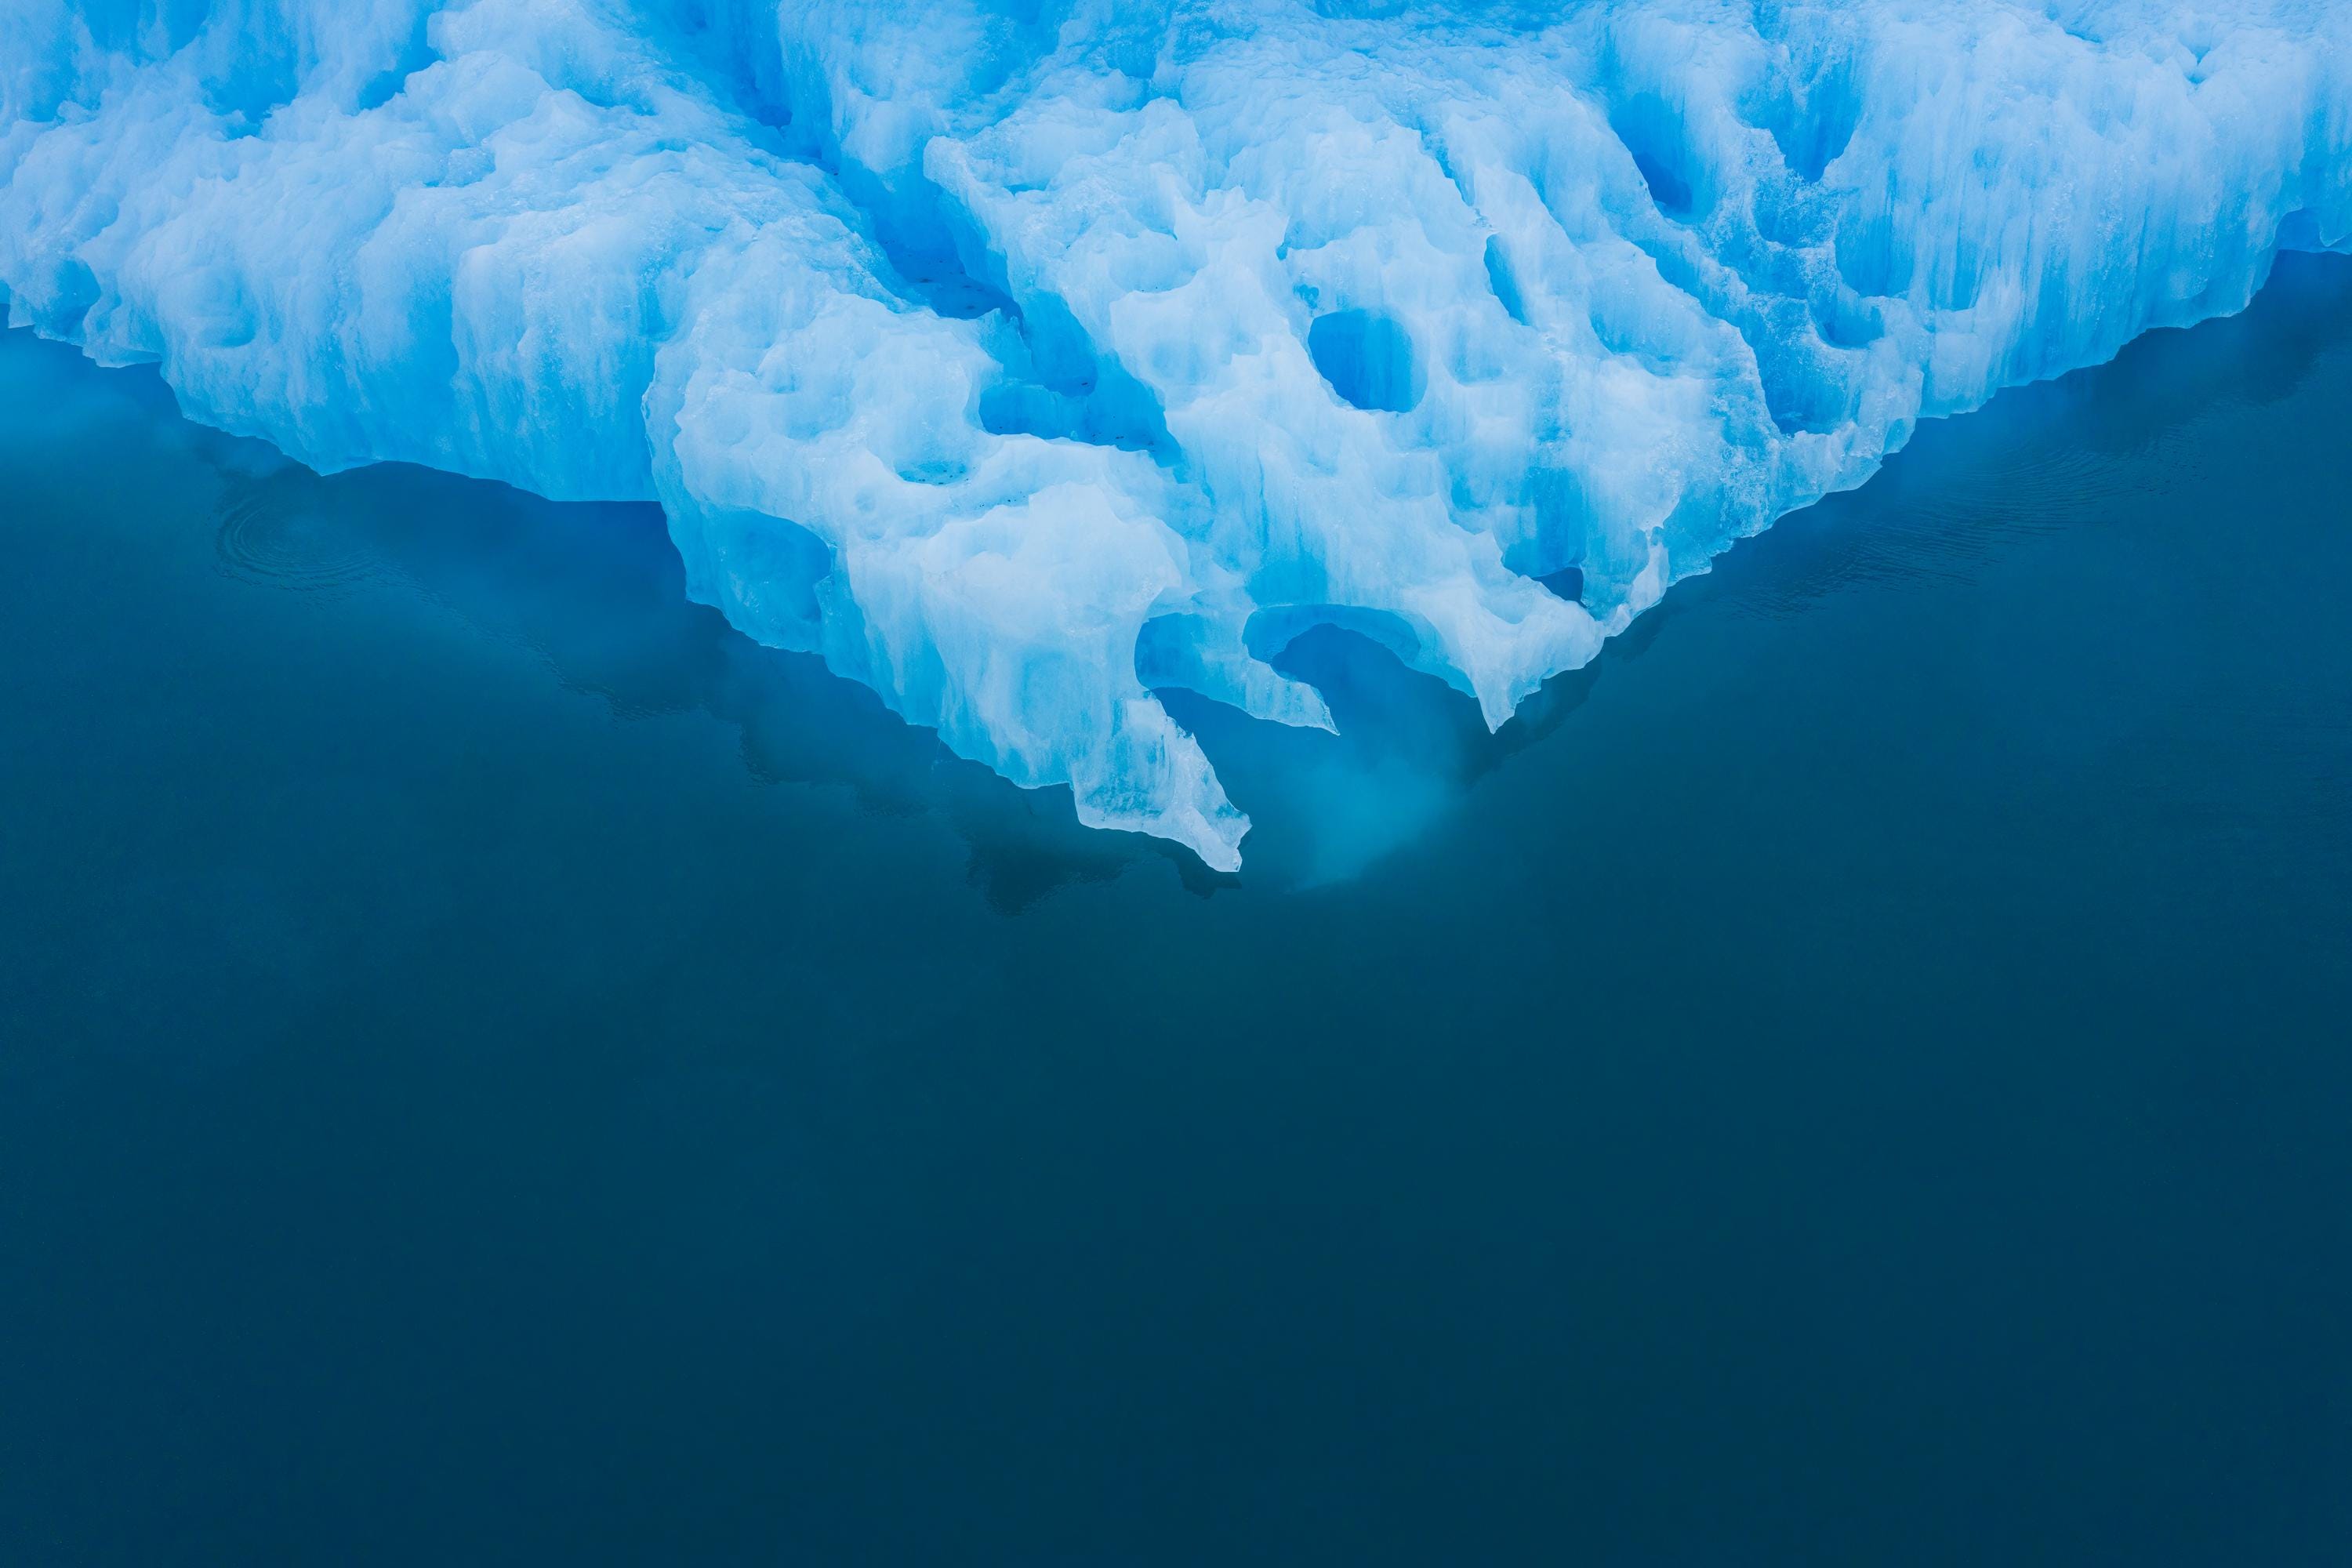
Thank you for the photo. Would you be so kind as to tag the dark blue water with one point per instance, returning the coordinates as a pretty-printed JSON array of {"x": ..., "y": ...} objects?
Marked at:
[{"x": 498, "y": 1069}]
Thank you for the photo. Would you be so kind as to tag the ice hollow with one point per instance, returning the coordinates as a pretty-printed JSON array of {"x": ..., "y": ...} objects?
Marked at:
[{"x": 1024, "y": 359}]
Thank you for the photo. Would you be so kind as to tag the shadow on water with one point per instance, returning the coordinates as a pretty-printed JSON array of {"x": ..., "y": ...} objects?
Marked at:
[
  {"x": 2037, "y": 459},
  {"x": 2101, "y": 441},
  {"x": 598, "y": 593}
]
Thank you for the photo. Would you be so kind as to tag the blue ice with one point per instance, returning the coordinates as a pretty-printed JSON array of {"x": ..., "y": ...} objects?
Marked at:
[{"x": 1027, "y": 358}]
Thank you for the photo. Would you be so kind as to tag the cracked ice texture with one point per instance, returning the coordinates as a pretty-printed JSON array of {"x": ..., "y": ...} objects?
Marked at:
[{"x": 1024, "y": 359}]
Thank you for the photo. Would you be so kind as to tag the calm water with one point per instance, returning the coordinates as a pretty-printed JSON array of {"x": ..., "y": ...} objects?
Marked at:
[{"x": 495, "y": 1068}]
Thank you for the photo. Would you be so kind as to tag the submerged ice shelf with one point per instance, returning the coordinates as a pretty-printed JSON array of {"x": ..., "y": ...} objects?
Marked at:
[{"x": 1024, "y": 358}]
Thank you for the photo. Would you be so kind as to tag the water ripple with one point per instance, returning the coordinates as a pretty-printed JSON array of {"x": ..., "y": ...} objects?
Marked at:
[{"x": 270, "y": 535}]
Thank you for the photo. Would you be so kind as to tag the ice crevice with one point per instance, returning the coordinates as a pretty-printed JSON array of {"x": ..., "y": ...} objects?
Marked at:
[{"x": 1025, "y": 358}]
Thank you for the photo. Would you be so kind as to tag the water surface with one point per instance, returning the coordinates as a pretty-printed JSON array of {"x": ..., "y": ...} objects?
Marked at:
[{"x": 498, "y": 1068}]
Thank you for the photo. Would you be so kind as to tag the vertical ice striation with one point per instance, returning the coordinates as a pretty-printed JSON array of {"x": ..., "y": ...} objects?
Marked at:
[{"x": 1025, "y": 357}]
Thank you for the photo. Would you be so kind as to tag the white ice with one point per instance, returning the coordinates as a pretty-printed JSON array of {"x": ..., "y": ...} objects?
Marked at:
[{"x": 1024, "y": 358}]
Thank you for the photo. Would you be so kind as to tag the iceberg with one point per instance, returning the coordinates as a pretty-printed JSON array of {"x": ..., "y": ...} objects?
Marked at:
[{"x": 1026, "y": 358}]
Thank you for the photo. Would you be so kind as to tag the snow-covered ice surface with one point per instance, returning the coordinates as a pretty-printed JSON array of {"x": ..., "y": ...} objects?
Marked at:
[{"x": 1024, "y": 358}]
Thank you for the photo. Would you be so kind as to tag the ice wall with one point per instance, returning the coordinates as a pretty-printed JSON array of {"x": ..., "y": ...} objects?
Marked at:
[{"x": 1024, "y": 358}]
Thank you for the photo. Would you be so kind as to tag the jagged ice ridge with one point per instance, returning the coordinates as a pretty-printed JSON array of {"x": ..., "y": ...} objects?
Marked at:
[{"x": 1024, "y": 358}]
